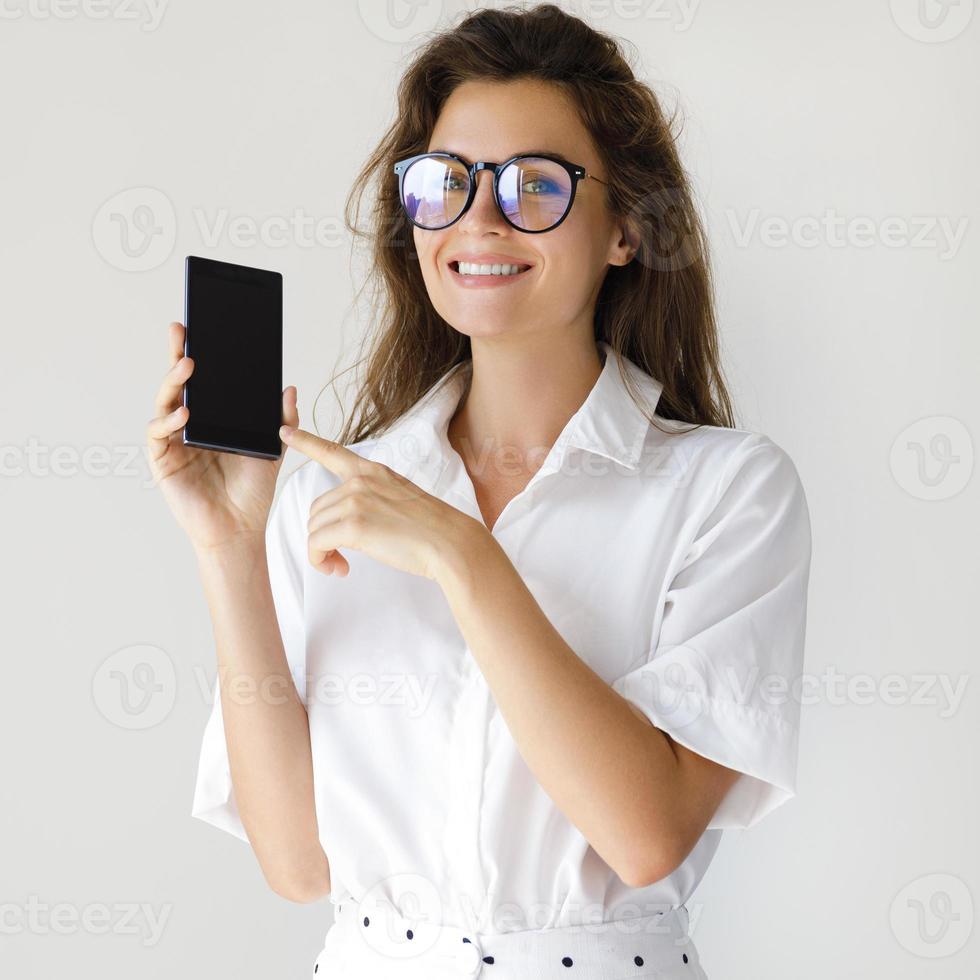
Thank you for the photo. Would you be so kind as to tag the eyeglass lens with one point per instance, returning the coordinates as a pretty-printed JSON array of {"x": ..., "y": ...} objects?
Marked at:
[{"x": 534, "y": 193}]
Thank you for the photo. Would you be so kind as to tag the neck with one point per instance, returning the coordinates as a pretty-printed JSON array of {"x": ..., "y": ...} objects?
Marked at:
[{"x": 519, "y": 398}]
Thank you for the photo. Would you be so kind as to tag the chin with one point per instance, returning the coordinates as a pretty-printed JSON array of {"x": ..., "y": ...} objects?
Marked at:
[{"x": 473, "y": 326}]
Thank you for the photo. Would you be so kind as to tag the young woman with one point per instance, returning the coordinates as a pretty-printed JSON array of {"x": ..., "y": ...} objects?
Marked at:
[{"x": 505, "y": 659}]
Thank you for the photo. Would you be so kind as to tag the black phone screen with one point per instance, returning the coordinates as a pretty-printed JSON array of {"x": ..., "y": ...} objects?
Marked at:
[{"x": 233, "y": 320}]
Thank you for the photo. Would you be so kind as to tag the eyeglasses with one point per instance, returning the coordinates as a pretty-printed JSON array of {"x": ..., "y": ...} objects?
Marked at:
[{"x": 533, "y": 193}]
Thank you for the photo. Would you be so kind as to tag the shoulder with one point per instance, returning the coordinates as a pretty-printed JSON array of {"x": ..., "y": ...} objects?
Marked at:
[
  {"x": 708, "y": 461},
  {"x": 738, "y": 495}
]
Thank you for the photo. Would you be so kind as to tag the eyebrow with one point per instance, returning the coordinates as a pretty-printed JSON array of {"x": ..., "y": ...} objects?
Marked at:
[{"x": 519, "y": 153}]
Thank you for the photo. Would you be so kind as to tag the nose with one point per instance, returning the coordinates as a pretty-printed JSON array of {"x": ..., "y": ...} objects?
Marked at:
[{"x": 483, "y": 213}]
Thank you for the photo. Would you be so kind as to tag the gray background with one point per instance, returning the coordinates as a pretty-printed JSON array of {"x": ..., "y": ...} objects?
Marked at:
[{"x": 834, "y": 150}]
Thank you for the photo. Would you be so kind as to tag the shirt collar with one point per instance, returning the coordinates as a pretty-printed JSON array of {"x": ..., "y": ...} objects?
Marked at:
[{"x": 608, "y": 422}]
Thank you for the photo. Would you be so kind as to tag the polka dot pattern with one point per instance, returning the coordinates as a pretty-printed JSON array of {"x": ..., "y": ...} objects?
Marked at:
[{"x": 568, "y": 962}]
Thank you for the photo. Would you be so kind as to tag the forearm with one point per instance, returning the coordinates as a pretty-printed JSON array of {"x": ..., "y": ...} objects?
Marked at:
[
  {"x": 266, "y": 725},
  {"x": 610, "y": 771}
]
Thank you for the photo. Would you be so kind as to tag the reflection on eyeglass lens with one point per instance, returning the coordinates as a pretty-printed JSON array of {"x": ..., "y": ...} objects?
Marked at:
[{"x": 533, "y": 193}]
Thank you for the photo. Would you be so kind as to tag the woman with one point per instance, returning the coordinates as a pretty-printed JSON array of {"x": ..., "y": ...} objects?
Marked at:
[{"x": 497, "y": 670}]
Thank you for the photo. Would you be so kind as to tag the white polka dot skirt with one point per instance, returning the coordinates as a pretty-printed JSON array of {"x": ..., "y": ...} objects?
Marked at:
[{"x": 378, "y": 943}]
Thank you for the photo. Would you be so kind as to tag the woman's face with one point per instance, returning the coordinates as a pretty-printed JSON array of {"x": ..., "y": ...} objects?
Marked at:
[{"x": 494, "y": 121}]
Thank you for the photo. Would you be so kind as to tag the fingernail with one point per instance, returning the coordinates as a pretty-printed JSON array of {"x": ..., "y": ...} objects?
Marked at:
[{"x": 285, "y": 431}]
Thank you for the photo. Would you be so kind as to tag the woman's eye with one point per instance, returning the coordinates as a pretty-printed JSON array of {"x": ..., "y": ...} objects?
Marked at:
[
  {"x": 454, "y": 183},
  {"x": 537, "y": 185}
]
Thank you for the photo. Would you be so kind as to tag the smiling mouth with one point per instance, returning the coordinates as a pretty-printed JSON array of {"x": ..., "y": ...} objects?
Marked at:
[{"x": 496, "y": 270}]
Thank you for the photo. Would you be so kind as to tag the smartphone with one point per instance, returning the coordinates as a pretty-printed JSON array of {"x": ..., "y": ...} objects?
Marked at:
[{"x": 233, "y": 331}]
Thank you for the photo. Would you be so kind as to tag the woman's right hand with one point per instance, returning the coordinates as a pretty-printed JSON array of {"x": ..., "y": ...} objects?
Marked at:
[{"x": 217, "y": 497}]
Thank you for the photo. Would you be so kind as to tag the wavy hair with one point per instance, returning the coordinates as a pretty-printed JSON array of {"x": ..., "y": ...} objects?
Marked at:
[{"x": 657, "y": 310}]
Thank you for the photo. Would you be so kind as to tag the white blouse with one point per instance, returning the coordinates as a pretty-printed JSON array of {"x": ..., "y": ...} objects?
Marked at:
[{"x": 675, "y": 565}]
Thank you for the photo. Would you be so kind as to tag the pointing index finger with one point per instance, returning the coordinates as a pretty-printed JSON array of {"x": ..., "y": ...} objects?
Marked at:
[{"x": 335, "y": 457}]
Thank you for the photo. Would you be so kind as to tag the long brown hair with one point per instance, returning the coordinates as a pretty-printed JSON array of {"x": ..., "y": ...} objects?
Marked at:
[{"x": 657, "y": 310}]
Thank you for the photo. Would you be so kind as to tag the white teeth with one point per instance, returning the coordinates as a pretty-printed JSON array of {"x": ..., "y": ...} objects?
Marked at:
[{"x": 497, "y": 269}]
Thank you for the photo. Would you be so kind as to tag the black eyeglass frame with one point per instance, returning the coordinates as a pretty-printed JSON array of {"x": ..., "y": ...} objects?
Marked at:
[{"x": 574, "y": 171}]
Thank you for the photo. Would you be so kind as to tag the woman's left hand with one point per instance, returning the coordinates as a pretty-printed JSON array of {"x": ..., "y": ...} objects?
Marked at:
[{"x": 376, "y": 511}]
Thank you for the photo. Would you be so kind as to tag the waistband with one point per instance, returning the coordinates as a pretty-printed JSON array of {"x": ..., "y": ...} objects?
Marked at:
[{"x": 375, "y": 941}]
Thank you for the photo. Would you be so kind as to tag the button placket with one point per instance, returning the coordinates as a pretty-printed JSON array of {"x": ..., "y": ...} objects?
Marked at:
[
  {"x": 470, "y": 958},
  {"x": 467, "y": 753}
]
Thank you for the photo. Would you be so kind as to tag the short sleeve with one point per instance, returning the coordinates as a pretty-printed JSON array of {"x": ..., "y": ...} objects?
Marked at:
[
  {"x": 722, "y": 679},
  {"x": 285, "y": 537}
]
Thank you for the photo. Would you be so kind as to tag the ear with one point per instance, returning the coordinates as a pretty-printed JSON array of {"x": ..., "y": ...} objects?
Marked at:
[{"x": 625, "y": 242}]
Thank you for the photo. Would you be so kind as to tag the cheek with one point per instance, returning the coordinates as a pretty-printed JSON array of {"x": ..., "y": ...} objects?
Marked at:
[
  {"x": 420, "y": 245},
  {"x": 426, "y": 250},
  {"x": 572, "y": 255}
]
